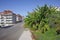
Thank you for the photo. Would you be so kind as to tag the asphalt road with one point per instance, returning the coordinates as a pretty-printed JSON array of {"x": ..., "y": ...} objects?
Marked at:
[{"x": 12, "y": 33}]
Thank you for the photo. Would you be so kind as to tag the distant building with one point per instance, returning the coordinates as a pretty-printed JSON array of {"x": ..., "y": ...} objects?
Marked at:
[
  {"x": 7, "y": 18},
  {"x": 18, "y": 18}
]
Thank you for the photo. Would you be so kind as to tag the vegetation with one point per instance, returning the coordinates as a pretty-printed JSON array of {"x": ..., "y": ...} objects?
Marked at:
[
  {"x": 49, "y": 35},
  {"x": 44, "y": 19}
]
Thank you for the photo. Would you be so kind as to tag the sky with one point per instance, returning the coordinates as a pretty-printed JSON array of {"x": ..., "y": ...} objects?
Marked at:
[{"x": 23, "y": 6}]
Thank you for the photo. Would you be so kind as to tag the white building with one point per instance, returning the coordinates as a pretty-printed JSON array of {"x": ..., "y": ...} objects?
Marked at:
[
  {"x": 18, "y": 18},
  {"x": 7, "y": 18}
]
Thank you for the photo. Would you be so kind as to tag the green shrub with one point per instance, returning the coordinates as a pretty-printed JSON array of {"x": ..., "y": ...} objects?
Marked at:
[
  {"x": 58, "y": 37},
  {"x": 49, "y": 35}
]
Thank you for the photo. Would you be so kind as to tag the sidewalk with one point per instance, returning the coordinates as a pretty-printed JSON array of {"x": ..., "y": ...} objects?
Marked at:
[{"x": 26, "y": 35}]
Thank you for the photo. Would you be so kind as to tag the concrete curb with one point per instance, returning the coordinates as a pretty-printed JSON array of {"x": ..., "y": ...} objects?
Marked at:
[{"x": 26, "y": 35}]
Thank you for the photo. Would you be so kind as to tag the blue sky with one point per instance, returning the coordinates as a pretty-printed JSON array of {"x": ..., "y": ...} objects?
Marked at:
[{"x": 23, "y": 6}]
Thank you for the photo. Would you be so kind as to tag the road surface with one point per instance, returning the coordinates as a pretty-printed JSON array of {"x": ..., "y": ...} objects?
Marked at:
[{"x": 12, "y": 33}]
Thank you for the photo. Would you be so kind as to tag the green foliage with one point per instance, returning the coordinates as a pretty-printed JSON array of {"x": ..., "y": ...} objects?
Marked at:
[
  {"x": 43, "y": 18},
  {"x": 49, "y": 35},
  {"x": 46, "y": 21}
]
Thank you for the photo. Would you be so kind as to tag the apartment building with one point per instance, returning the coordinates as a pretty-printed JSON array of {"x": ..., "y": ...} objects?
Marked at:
[{"x": 7, "y": 18}]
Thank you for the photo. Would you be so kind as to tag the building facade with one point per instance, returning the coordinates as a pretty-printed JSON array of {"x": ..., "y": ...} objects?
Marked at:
[
  {"x": 7, "y": 18},
  {"x": 18, "y": 18}
]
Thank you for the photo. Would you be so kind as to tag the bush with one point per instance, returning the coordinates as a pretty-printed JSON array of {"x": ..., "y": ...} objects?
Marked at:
[
  {"x": 58, "y": 37},
  {"x": 49, "y": 35}
]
